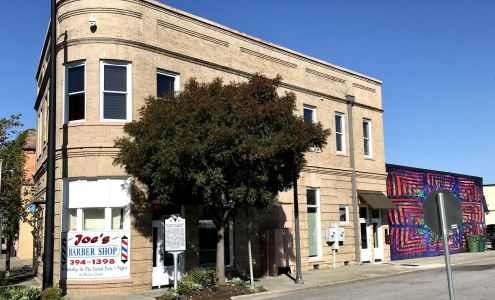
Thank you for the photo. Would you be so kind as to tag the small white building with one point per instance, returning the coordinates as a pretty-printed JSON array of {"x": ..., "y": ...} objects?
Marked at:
[{"x": 489, "y": 191}]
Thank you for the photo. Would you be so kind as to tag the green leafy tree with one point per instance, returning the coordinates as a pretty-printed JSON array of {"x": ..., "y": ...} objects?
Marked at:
[
  {"x": 13, "y": 160},
  {"x": 221, "y": 146}
]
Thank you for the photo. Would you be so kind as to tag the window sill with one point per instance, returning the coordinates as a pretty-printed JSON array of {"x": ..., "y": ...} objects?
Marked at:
[
  {"x": 343, "y": 154},
  {"x": 369, "y": 158},
  {"x": 318, "y": 258}
]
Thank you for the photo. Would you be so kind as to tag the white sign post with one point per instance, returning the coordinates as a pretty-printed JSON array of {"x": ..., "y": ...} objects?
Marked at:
[{"x": 175, "y": 239}]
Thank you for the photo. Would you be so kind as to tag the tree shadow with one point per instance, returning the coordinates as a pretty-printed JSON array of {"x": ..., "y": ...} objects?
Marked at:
[
  {"x": 20, "y": 274},
  {"x": 141, "y": 209}
]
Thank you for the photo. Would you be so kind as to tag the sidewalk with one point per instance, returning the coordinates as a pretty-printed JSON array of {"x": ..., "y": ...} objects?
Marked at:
[
  {"x": 283, "y": 284},
  {"x": 21, "y": 274}
]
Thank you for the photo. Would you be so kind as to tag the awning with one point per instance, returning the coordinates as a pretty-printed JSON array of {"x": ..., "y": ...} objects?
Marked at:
[{"x": 376, "y": 199}]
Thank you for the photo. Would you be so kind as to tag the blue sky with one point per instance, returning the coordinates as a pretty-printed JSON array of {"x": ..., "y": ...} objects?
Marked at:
[{"x": 435, "y": 58}]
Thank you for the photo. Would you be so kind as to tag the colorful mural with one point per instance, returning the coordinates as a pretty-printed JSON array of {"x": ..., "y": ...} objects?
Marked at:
[{"x": 407, "y": 187}]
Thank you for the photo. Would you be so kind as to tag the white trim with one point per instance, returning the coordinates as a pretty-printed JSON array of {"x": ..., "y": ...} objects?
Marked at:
[
  {"x": 313, "y": 110},
  {"x": 77, "y": 198},
  {"x": 369, "y": 138},
  {"x": 176, "y": 77},
  {"x": 65, "y": 110},
  {"x": 342, "y": 133},
  {"x": 318, "y": 222},
  {"x": 128, "y": 92}
]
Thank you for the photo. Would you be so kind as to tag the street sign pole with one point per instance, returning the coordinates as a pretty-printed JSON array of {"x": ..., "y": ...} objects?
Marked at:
[
  {"x": 445, "y": 234},
  {"x": 176, "y": 261}
]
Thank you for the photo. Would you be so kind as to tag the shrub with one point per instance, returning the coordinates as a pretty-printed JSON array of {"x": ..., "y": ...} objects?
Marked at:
[
  {"x": 236, "y": 281},
  {"x": 203, "y": 277},
  {"x": 52, "y": 293},
  {"x": 20, "y": 293},
  {"x": 187, "y": 287}
]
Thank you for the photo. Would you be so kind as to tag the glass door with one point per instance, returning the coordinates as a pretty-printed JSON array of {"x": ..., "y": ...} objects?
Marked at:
[
  {"x": 376, "y": 224},
  {"x": 365, "y": 234}
]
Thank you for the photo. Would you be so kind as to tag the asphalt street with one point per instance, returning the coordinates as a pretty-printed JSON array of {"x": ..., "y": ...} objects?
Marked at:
[{"x": 474, "y": 281}]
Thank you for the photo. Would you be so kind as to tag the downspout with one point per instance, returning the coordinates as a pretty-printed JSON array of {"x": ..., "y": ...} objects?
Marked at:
[{"x": 355, "y": 206}]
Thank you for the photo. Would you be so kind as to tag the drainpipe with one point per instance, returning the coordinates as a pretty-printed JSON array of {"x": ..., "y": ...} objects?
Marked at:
[
  {"x": 355, "y": 206},
  {"x": 50, "y": 169}
]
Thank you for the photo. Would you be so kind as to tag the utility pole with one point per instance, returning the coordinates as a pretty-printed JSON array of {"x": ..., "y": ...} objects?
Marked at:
[
  {"x": 299, "y": 279},
  {"x": 50, "y": 169},
  {"x": 355, "y": 205}
]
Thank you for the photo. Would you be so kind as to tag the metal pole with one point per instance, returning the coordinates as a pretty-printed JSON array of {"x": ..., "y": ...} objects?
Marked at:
[
  {"x": 355, "y": 205},
  {"x": 250, "y": 256},
  {"x": 175, "y": 254},
  {"x": 299, "y": 279},
  {"x": 445, "y": 234},
  {"x": 50, "y": 170}
]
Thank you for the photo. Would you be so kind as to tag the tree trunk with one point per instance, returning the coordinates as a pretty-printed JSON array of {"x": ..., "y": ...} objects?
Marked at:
[
  {"x": 7, "y": 255},
  {"x": 221, "y": 254}
]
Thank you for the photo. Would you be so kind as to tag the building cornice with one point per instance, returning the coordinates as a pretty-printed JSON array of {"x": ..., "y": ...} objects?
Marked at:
[
  {"x": 242, "y": 36},
  {"x": 198, "y": 61}
]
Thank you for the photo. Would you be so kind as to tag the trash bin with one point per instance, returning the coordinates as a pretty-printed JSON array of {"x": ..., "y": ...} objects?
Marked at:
[
  {"x": 473, "y": 242},
  {"x": 482, "y": 243}
]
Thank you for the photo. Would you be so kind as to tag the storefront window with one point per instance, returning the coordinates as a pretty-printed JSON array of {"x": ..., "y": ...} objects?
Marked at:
[
  {"x": 93, "y": 219},
  {"x": 72, "y": 219},
  {"x": 117, "y": 218}
]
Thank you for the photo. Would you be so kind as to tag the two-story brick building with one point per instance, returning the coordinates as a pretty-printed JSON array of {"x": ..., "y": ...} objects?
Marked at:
[{"x": 142, "y": 47}]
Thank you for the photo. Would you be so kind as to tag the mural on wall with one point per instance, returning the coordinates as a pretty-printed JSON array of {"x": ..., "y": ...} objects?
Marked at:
[{"x": 407, "y": 187}]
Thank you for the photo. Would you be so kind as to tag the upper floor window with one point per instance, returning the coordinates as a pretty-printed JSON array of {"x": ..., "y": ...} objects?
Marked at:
[
  {"x": 339, "y": 132},
  {"x": 115, "y": 91},
  {"x": 75, "y": 103},
  {"x": 309, "y": 114},
  {"x": 367, "y": 137},
  {"x": 166, "y": 83}
]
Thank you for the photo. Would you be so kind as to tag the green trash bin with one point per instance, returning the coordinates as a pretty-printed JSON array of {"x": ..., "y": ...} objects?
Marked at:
[
  {"x": 473, "y": 242},
  {"x": 482, "y": 243}
]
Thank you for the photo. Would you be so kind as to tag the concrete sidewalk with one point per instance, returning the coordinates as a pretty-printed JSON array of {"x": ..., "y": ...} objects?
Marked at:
[
  {"x": 283, "y": 284},
  {"x": 21, "y": 272}
]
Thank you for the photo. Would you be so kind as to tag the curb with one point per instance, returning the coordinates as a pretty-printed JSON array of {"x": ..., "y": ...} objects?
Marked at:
[{"x": 273, "y": 294}]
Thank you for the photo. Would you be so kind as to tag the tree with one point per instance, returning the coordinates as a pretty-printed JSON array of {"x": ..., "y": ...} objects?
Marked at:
[
  {"x": 221, "y": 146},
  {"x": 13, "y": 160}
]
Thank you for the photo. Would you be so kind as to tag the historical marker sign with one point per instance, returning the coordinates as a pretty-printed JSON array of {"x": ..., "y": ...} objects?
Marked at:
[
  {"x": 431, "y": 211},
  {"x": 175, "y": 234}
]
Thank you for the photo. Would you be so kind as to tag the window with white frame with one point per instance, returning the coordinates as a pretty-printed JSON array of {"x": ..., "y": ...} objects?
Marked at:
[
  {"x": 309, "y": 114},
  {"x": 367, "y": 138},
  {"x": 115, "y": 91},
  {"x": 102, "y": 204},
  {"x": 313, "y": 217},
  {"x": 75, "y": 99},
  {"x": 344, "y": 214},
  {"x": 339, "y": 132},
  {"x": 166, "y": 83}
]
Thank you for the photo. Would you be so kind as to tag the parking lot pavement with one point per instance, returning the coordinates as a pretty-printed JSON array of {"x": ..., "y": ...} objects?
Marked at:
[{"x": 283, "y": 284}]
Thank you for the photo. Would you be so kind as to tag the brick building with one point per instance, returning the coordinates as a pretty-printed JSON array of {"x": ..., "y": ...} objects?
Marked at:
[
  {"x": 140, "y": 48},
  {"x": 25, "y": 238}
]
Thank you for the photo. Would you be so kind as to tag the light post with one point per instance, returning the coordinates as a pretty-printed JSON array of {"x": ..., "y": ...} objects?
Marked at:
[
  {"x": 355, "y": 205},
  {"x": 299, "y": 279}
]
